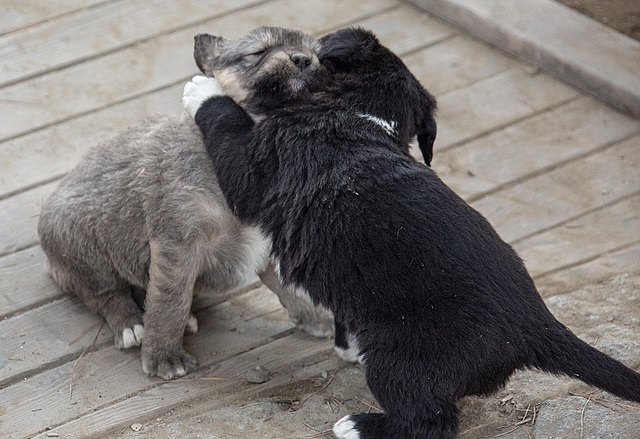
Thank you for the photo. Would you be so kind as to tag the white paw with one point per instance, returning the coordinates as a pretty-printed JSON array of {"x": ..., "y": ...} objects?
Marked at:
[
  {"x": 132, "y": 337},
  {"x": 191, "y": 326},
  {"x": 345, "y": 428},
  {"x": 198, "y": 90},
  {"x": 352, "y": 353}
]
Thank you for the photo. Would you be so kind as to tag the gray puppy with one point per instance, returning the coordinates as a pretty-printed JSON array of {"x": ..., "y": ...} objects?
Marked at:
[{"x": 140, "y": 225}]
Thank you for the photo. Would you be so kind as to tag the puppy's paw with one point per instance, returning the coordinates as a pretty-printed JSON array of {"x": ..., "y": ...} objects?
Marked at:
[
  {"x": 167, "y": 364},
  {"x": 198, "y": 90},
  {"x": 350, "y": 352},
  {"x": 369, "y": 426},
  {"x": 352, "y": 355},
  {"x": 317, "y": 329},
  {"x": 129, "y": 337},
  {"x": 345, "y": 428},
  {"x": 192, "y": 325}
]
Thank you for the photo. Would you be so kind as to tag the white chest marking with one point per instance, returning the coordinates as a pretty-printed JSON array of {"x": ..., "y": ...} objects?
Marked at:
[{"x": 389, "y": 127}]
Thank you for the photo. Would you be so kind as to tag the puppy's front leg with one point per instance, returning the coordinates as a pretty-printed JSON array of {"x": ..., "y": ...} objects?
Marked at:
[
  {"x": 226, "y": 130},
  {"x": 167, "y": 307}
]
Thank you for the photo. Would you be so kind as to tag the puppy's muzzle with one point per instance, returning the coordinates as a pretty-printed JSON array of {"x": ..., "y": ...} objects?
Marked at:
[{"x": 301, "y": 60}]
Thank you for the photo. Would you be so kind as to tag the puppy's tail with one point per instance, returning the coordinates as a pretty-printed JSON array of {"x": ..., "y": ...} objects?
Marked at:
[{"x": 564, "y": 353}]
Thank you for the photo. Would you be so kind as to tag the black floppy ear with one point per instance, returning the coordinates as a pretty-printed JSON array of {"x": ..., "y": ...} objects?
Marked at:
[
  {"x": 426, "y": 138},
  {"x": 346, "y": 47},
  {"x": 426, "y": 125}
]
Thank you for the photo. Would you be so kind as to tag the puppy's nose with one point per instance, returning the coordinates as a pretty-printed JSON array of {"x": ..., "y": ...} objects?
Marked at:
[{"x": 301, "y": 60}]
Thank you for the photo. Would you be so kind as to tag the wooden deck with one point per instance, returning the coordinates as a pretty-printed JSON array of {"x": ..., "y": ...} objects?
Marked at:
[{"x": 554, "y": 170}]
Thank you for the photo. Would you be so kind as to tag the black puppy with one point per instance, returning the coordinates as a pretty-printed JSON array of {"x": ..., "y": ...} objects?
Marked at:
[{"x": 439, "y": 305}]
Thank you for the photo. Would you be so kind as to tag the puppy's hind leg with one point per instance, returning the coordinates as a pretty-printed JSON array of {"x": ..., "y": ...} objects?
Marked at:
[
  {"x": 123, "y": 315},
  {"x": 106, "y": 295},
  {"x": 346, "y": 344},
  {"x": 315, "y": 320},
  {"x": 384, "y": 426},
  {"x": 414, "y": 399}
]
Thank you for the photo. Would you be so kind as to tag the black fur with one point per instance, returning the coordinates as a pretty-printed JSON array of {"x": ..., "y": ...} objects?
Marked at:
[
  {"x": 441, "y": 307},
  {"x": 350, "y": 55}
]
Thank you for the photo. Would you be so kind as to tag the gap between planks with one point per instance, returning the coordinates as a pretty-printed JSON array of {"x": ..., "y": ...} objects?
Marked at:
[
  {"x": 65, "y": 65},
  {"x": 282, "y": 357},
  {"x": 552, "y": 167},
  {"x": 181, "y": 80}
]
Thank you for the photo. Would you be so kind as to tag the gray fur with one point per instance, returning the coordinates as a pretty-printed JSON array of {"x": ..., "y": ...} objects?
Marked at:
[
  {"x": 142, "y": 219},
  {"x": 241, "y": 66}
]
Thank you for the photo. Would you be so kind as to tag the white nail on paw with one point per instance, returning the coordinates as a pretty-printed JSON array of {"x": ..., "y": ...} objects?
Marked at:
[
  {"x": 173, "y": 373},
  {"x": 198, "y": 90},
  {"x": 129, "y": 339},
  {"x": 138, "y": 331},
  {"x": 192, "y": 325},
  {"x": 345, "y": 429}
]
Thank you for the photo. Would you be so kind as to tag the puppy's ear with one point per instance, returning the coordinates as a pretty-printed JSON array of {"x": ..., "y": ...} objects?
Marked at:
[
  {"x": 346, "y": 48},
  {"x": 205, "y": 49},
  {"x": 427, "y": 127},
  {"x": 426, "y": 139}
]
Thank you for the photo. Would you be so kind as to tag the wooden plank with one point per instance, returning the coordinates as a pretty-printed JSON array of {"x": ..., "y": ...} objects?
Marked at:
[
  {"x": 109, "y": 375},
  {"x": 565, "y": 192},
  {"x": 539, "y": 91},
  {"x": 456, "y": 63},
  {"x": 281, "y": 357},
  {"x": 51, "y": 152},
  {"x": 90, "y": 32},
  {"x": 495, "y": 103},
  {"x": 24, "y": 283},
  {"x": 18, "y": 15},
  {"x": 315, "y": 16},
  {"x": 65, "y": 143},
  {"x": 48, "y": 335},
  {"x": 153, "y": 64},
  {"x": 532, "y": 146},
  {"x": 583, "y": 239},
  {"x": 87, "y": 87},
  {"x": 618, "y": 263},
  {"x": 406, "y": 29},
  {"x": 44, "y": 337},
  {"x": 19, "y": 218},
  {"x": 592, "y": 56}
]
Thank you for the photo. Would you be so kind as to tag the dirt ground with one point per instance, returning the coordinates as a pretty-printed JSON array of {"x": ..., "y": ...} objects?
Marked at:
[
  {"x": 533, "y": 405},
  {"x": 621, "y": 15}
]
